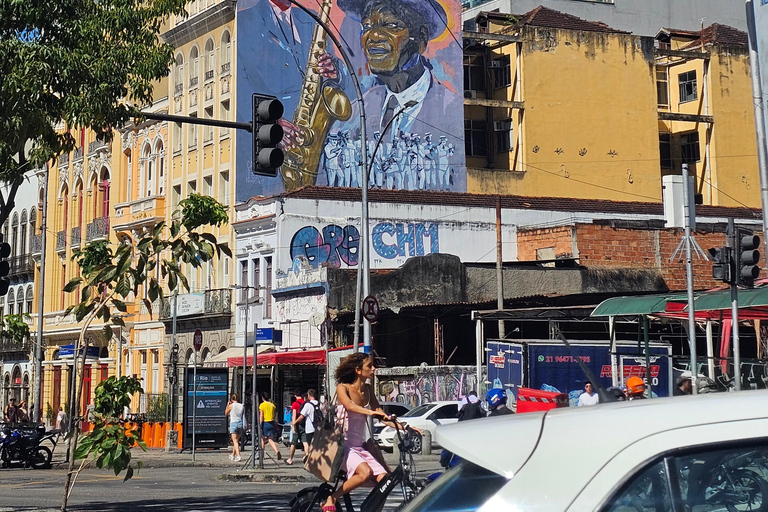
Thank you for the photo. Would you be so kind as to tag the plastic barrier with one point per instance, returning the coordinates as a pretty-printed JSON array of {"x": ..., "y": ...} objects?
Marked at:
[
  {"x": 531, "y": 400},
  {"x": 148, "y": 433},
  {"x": 158, "y": 437}
]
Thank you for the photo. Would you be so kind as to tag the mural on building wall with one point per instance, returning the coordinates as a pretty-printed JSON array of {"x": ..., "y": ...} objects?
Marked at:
[
  {"x": 334, "y": 245},
  {"x": 404, "y": 52},
  {"x": 416, "y": 386}
]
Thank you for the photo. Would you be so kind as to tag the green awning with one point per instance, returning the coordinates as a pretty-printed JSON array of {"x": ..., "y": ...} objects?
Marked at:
[
  {"x": 632, "y": 306},
  {"x": 721, "y": 299}
]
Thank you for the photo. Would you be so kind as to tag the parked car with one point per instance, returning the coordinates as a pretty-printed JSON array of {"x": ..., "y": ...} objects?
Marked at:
[
  {"x": 705, "y": 452},
  {"x": 396, "y": 408},
  {"x": 424, "y": 417}
]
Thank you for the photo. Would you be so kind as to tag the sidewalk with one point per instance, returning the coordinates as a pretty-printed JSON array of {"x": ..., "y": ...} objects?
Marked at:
[{"x": 274, "y": 470}]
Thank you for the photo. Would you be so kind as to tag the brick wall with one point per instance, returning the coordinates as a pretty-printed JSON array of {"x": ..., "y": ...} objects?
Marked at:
[
  {"x": 599, "y": 246},
  {"x": 530, "y": 240}
]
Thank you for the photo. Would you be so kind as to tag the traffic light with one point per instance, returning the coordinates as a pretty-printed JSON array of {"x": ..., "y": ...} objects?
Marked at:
[
  {"x": 267, "y": 134},
  {"x": 722, "y": 269},
  {"x": 747, "y": 256},
  {"x": 5, "y": 266}
]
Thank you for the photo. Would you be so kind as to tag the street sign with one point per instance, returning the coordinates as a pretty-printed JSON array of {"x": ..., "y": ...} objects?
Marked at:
[
  {"x": 197, "y": 341},
  {"x": 370, "y": 308}
]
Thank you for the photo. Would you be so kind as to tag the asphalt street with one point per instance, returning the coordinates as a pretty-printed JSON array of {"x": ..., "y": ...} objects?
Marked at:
[
  {"x": 171, "y": 482},
  {"x": 187, "y": 489}
]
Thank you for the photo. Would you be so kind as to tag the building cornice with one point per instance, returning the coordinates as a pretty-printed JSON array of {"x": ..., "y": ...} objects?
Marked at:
[{"x": 201, "y": 24}]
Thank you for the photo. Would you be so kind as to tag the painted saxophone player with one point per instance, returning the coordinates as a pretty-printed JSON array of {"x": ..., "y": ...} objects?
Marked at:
[
  {"x": 282, "y": 52},
  {"x": 394, "y": 36}
]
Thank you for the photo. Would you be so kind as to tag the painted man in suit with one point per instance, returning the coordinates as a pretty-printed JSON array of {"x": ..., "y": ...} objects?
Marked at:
[{"x": 394, "y": 37}]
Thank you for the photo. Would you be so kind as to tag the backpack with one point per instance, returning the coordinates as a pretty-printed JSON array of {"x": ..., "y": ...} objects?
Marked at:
[
  {"x": 317, "y": 418},
  {"x": 471, "y": 411}
]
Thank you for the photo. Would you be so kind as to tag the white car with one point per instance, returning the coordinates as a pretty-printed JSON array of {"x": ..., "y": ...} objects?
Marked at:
[
  {"x": 424, "y": 417},
  {"x": 692, "y": 453}
]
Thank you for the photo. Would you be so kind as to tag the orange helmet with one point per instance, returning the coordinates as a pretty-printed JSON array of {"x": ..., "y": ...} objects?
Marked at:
[{"x": 635, "y": 386}]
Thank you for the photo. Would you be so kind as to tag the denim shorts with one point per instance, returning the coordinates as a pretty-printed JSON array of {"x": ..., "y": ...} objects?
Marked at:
[
  {"x": 234, "y": 426},
  {"x": 268, "y": 429}
]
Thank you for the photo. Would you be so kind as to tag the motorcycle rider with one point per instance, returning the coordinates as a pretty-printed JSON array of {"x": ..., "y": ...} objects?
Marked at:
[
  {"x": 635, "y": 388},
  {"x": 497, "y": 402}
]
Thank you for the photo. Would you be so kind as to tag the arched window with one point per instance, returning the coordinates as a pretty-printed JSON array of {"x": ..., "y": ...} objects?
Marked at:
[
  {"x": 147, "y": 170},
  {"x": 204, "y": 355},
  {"x": 210, "y": 59},
  {"x": 226, "y": 52},
  {"x": 30, "y": 296},
  {"x": 190, "y": 357},
  {"x": 178, "y": 79},
  {"x": 14, "y": 240},
  {"x": 104, "y": 190},
  {"x": 80, "y": 204},
  {"x": 11, "y": 301},
  {"x": 33, "y": 221},
  {"x": 23, "y": 239},
  {"x": 160, "y": 164},
  {"x": 194, "y": 70},
  {"x": 222, "y": 349}
]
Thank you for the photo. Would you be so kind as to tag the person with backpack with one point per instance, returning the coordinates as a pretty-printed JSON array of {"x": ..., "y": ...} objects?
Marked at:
[
  {"x": 311, "y": 415},
  {"x": 471, "y": 408}
]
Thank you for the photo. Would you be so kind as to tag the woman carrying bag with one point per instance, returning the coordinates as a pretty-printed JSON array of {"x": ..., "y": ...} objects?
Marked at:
[{"x": 356, "y": 401}]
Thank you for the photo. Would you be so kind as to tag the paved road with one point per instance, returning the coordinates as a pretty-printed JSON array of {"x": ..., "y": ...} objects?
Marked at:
[{"x": 187, "y": 489}]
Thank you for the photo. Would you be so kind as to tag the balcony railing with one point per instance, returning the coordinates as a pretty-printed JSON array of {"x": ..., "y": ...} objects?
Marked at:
[
  {"x": 64, "y": 161},
  {"x": 225, "y": 68},
  {"x": 193, "y": 81},
  {"x": 178, "y": 89},
  {"x": 74, "y": 240},
  {"x": 97, "y": 229},
  {"x": 21, "y": 265},
  {"x": 8, "y": 345},
  {"x": 209, "y": 75},
  {"x": 61, "y": 240},
  {"x": 78, "y": 154},
  {"x": 216, "y": 302},
  {"x": 96, "y": 145},
  {"x": 37, "y": 244}
]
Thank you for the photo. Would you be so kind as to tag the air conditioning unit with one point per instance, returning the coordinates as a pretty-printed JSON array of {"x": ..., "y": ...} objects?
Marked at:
[
  {"x": 470, "y": 95},
  {"x": 502, "y": 126},
  {"x": 495, "y": 64}
]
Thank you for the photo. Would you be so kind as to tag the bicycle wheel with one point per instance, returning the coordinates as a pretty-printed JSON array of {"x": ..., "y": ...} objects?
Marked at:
[
  {"x": 40, "y": 457},
  {"x": 749, "y": 492},
  {"x": 307, "y": 500}
]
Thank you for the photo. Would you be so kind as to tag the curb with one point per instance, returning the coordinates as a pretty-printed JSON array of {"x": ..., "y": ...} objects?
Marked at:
[{"x": 263, "y": 478}]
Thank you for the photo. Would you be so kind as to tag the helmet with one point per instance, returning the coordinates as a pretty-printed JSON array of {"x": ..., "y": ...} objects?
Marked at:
[
  {"x": 635, "y": 386},
  {"x": 496, "y": 397}
]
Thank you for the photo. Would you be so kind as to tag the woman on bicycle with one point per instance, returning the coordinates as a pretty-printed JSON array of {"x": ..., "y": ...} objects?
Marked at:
[{"x": 356, "y": 398}]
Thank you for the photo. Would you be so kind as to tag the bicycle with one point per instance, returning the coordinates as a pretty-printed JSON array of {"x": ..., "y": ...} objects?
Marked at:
[{"x": 312, "y": 499}]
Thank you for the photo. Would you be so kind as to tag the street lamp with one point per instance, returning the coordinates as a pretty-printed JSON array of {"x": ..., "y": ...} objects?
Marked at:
[{"x": 255, "y": 430}]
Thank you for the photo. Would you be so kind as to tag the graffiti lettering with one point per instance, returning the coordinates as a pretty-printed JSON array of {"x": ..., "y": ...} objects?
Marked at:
[
  {"x": 410, "y": 235},
  {"x": 434, "y": 384},
  {"x": 333, "y": 246},
  {"x": 336, "y": 245}
]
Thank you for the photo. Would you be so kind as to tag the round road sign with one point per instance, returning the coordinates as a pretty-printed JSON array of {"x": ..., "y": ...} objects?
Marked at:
[
  {"x": 197, "y": 341},
  {"x": 370, "y": 308}
]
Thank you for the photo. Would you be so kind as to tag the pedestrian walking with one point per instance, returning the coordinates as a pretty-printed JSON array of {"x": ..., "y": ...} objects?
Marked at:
[
  {"x": 267, "y": 422},
  {"x": 235, "y": 411}
]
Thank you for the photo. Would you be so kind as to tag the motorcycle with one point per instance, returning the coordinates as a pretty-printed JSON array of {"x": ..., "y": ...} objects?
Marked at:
[{"x": 25, "y": 446}]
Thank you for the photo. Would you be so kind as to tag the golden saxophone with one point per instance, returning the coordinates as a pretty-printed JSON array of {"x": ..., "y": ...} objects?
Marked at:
[{"x": 320, "y": 105}]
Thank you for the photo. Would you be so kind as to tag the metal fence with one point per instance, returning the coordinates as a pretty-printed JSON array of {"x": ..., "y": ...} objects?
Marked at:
[{"x": 156, "y": 406}]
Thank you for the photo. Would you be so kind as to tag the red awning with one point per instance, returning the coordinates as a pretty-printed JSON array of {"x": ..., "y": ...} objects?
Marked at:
[{"x": 313, "y": 357}]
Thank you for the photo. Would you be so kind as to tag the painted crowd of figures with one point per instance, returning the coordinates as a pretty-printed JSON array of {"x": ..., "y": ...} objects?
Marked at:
[{"x": 409, "y": 162}]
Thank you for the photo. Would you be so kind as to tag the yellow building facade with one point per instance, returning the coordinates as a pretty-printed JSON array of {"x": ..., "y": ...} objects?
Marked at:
[{"x": 571, "y": 108}]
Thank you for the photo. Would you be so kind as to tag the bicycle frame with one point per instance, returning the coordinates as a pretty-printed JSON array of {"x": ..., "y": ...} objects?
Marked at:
[{"x": 377, "y": 498}]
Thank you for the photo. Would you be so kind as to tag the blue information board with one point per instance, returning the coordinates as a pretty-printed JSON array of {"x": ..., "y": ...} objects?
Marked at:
[{"x": 209, "y": 402}]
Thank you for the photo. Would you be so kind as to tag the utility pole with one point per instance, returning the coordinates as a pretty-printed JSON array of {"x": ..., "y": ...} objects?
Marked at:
[
  {"x": 732, "y": 242},
  {"x": 499, "y": 268},
  {"x": 43, "y": 176}
]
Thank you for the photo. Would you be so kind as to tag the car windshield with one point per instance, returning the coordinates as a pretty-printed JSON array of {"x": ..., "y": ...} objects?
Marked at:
[
  {"x": 463, "y": 488},
  {"x": 418, "y": 411}
]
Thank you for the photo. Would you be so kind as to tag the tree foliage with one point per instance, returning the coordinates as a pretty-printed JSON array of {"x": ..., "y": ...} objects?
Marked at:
[
  {"x": 111, "y": 280},
  {"x": 111, "y": 440},
  {"x": 77, "y": 62},
  {"x": 15, "y": 327}
]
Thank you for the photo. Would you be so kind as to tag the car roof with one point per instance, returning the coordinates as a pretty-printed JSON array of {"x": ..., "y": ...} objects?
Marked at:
[
  {"x": 407, "y": 406},
  {"x": 503, "y": 444}
]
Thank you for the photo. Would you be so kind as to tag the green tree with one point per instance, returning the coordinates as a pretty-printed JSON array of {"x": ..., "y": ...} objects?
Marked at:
[
  {"x": 110, "y": 278},
  {"x": 15, "y": 327},
  {"x": 79, "y": 62}
]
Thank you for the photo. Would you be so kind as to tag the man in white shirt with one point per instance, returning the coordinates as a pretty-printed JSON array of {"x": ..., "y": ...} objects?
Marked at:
[
  {"x": 588, "y": 397},
  {"x": 308, "y": 414}
]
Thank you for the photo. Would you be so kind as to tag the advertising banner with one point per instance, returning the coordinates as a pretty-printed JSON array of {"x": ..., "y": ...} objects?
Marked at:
[
  {"x": 209, "y": 401},
  {"x": 556, "y": 366},
  {"x": 407, "y": 56}
]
